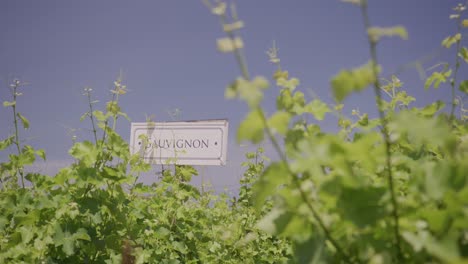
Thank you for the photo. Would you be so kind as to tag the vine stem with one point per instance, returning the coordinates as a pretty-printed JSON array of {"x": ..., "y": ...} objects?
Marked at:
[
  {"x": 241, "y": 61},
  {"x": 457, "y": 66},
  {"x": 378, "y": 93},
  {"x": 296, "y": 181},
  {"x": 15, "y": 120},
  {"x": 91, "y": 116}
]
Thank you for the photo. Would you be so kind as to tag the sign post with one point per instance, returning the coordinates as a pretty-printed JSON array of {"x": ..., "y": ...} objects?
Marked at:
[{"x": 201, "y": 142}]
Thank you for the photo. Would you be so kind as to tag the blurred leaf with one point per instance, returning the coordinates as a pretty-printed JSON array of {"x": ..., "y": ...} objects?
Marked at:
[
  {"x": 348, "y": 81},
  {"x": 437, "y": 78},
  {"x": 281, "y": 74},
  {"x": 446, "y": 249},
  {"x": 463, "y": 54},
  {"x": 376, "y": 33},
  {"x": 431, "y": 109},
  {"x": 318, "y": 109},
  {"x": 275, "y": 221},
  {"x": 6, "y": 142},
  {"x": 113, "y": 107},
  {"x": 6, "y": 103},
  {"x": 249, "y": 91},
  {"x": 227, "y": 44},
  {"x": 464, "y": 86},
  {"x": 464, "y": 23},
  {"x": 41, "y": 153},
  {"x": 450, "y": 40},
  {"x": 23, "y": 120},
  {"x": 422, "y": 131},
  {"x": 275, "y": 175},
  {"x": 290, "y": 84},
  {"x": 362, "y": 205},
  {"x": 84, "y": 116},
  {"x": 279, "y": 122},
  {"x": 251, "y": 128}
]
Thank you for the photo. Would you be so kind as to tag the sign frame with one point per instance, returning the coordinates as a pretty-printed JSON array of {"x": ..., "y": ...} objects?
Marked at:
[{"x": 197, "y": 142}]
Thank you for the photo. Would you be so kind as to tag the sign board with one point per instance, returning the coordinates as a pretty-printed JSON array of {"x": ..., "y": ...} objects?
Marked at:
[{"x": 185, "y": 143}]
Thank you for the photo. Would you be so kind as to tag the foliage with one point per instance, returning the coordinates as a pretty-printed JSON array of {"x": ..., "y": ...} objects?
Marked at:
[
  {"x": 391, "y": 189},
  {"x": 95, "y": 211},
  {"x": 386, "y": 189}
]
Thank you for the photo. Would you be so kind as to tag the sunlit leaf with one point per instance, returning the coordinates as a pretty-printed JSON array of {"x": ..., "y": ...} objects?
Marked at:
[
  {"x": 437, "y": 78},
  {"x": 86, "y": 152},
  {"x": 463, "y": 54},
  {"x": 226, "y": 45},
  {"x": 248, "y": 91},
  {"x": 275, "y": 221},
  {"x": 24, "y": 120},
  {"x": 290, "y": 84},
  {"x": 6, "y": 142},
  {"x": 279, "y": 122},
  {"x": 251, "y": 129},
  {"x": 450, "y": 40},
  {"x": 376, "y": 33},
  {"x": 318, "y": 109},
  {"x": 348, "y": 81},
  {"x": 6, "y": 103},
  {"x": 464, "y": 23}
]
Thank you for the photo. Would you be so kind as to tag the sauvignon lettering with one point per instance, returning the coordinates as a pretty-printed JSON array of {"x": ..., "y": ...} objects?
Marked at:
[{"x": 178, "y": 144}]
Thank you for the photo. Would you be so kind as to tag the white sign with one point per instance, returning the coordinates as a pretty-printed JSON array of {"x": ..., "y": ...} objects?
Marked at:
[{"x": 185, "y": 143}]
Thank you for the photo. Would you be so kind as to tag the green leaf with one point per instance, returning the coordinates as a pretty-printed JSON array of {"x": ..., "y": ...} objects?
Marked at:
[
  {"x": 41, "y": 153},
  {"x": 437, "y": 78},
  {"x": 179, "y": 246},
  {"x": 464, "y": 23},
  {"x": 84, "y": 116},
  {"x": 421, "y": 129},
  {"x": 430, "y": 110},
  {"x": 249, "y": 91},
  {"x": 86, "y": 152},
  {"x": 124, "y": 115},
  {"x": 348, "y": 81},
  {"x": 274, "y": 175},
  {"x": 290, "y": 84},
  {"x": 362, "y": 205},
  {"x": 68, "y": 246},
  {"x": 463, "y": 54},
  {"x": 251, "y": 129},
  {"x": 6, "y": 103},
  {"x": 81, "y": 234},
  {"x": 226, "y": 45},
  {"x": 285, "y": 100},
  {"x": 113, "y": 107},
  {"x": 464, "y": 86},
  {"x": 26, "y": 234},
  {"x": 279, "y": 122},
  {"x": 318, "y": 109},
  {"x": 444, "y": 249},
  {"x": 27, "y": 155},
  {"x": 275, "y": 221},
  {"x": 376, "y": 33},
  {"x": 23, "y": 120},
  {"x": 6, "y": 142},
  {"x": 100, "y": 116},
  {"x": 450, "y": 40},
  {"x": 438, "y": 220},
  {"x": 281, "y": 74}
]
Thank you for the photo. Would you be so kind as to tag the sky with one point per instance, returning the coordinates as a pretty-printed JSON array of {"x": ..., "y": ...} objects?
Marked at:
[{"x": 166, "y": 53}]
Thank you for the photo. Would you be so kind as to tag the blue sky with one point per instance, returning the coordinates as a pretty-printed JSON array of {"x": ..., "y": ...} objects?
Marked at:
[{"x": 166, "y": 50}]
